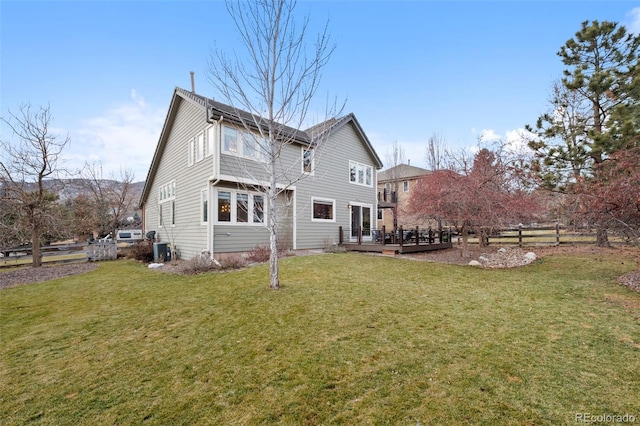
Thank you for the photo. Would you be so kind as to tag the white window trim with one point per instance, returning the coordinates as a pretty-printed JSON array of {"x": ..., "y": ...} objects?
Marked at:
[
  {"x": 260, "y": 144},
  {"x": 167, "y": 192},
  {"x": 210, "y": 139},
  {"x": 313, "y": 160},
  {"x": 204, "y": 196},
  {"x": 200, "y": 147},
  {"x": 364, "y": 167},
  {"x": 190, "y": 152},
  {"x": 234, "y": 208},
  {"x": 326, "y": 201}
]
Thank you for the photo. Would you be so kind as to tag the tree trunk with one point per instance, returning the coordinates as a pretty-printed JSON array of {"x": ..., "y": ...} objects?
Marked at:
[
  {"x": 465, "y": 243},
  {"x": 602, "y": 237},
  {"x": 35, "y": 247},
  {"x": 483, "y": 237},
  {"x": 272, "y": 211}
]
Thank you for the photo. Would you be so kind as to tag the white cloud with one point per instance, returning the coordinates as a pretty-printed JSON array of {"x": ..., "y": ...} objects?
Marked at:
[
  {"x": 489, "y": 135},
  {"x": 516, "y": 140},
  {"x": 123, "y": 137},
  {"x": 633, "y": 21}
]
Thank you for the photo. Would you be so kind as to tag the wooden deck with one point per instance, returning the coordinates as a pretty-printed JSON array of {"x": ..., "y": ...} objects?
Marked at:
[
  {"x": 398, "y": 241},
  {"x": 395, "y": 248}
]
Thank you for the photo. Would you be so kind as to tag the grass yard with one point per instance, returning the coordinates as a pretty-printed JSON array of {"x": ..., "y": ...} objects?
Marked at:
[{"x": 349, "y": 339}]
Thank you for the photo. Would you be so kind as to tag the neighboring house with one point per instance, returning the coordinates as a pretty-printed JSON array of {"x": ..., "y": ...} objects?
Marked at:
[
  {"x": 205, "y": 187},
  {"x": 394, "y": 190}
]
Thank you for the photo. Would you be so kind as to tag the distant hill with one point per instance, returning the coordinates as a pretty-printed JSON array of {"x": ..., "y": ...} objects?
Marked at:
[{"x": 68, "y": 189}]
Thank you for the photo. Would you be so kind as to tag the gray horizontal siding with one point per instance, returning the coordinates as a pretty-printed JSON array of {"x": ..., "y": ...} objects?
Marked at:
[
  {"x": 331, "y": 181},
  {"x": 188, "y": 236}
]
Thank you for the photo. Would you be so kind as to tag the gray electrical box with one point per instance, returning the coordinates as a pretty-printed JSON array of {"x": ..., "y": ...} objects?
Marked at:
[{"x": 161, "y": 252}]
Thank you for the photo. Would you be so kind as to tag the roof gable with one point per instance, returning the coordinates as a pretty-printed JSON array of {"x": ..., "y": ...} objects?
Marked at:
[{"x": 335, "y": 124}]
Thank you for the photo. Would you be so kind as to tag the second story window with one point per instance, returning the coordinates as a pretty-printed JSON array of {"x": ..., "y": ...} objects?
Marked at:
[
  {"x": 242, "y": 144},
  {"x": 200, "y": 147},
  {"x": 405, "y": 185},
  {"x": 307, "y": 160},
  {"x": 230, "y": 140},
  {"x": 360, "y": 174}
]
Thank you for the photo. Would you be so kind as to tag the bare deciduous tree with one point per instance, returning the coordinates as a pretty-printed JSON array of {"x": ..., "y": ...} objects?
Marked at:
[
  {"x": 396, "y": 158},
  {"x": 275, "y": 83},
  {"x": 25, "y": 165},
  {"x": 112, "y": 198},
  {"x": 436, "y": 152}
]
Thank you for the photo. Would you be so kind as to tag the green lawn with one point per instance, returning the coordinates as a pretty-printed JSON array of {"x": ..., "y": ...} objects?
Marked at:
[{"x": 349, "y": 339}]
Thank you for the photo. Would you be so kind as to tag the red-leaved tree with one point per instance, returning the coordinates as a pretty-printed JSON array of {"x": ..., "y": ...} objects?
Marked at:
[
  {"x": 479, "y": 195},
  {"x": 612, "y": 195}
]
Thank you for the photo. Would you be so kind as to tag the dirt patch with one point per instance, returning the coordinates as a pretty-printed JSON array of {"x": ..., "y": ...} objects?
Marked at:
[{"x": 27, "y": 275}]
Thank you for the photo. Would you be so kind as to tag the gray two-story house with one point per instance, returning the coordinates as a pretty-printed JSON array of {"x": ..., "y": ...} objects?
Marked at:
[{"x": 205, "y": 189}]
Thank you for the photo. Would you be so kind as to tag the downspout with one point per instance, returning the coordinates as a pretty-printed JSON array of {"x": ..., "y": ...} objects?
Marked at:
[{"x": 215, "y": 166}]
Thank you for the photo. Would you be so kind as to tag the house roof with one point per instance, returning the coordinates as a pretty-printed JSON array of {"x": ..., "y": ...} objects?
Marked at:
[
  {"x": 214, "y": 110},
  {"x": 402, "y": 171}
]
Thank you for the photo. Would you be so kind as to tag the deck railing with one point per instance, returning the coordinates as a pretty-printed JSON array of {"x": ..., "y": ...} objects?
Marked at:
[{"x": 398, "y": 236}]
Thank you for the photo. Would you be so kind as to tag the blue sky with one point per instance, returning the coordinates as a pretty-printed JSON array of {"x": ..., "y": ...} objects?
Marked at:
[{"x": 408, "y": 70}]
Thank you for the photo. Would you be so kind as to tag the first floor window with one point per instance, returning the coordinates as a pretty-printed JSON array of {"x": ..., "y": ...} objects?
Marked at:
[
  {"x": 242, "y": 208},
  {"x": 258, "y": 209},
  {"x": 323, "y": 209},
  {"x": 224, "y": 206},
  {"x": 204, "y": 205},
  {"x": 379, "y": 214}
]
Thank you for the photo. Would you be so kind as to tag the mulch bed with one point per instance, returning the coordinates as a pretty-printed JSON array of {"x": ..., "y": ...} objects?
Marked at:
[{"x": 27, "y": 275}]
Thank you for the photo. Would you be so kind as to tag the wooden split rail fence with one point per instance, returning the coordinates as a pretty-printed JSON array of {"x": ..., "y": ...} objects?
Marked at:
[{"x": 61, "y": 253}]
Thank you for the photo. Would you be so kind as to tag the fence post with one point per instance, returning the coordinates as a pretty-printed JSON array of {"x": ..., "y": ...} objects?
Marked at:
[
  {"x": 401, "y": 235},
  {"x": 384, "y": 235},
  {"x": 558, "y": 233},
  {"x": 359, "y": 234},
  {"x": 417, "y": 236},
  {"x": 519, "y": 235},
  {"x": 340, "y": 236}
]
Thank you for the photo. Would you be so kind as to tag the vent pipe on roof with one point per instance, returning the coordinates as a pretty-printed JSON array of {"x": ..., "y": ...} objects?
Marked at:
[{"x": 193, "y": 83}]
